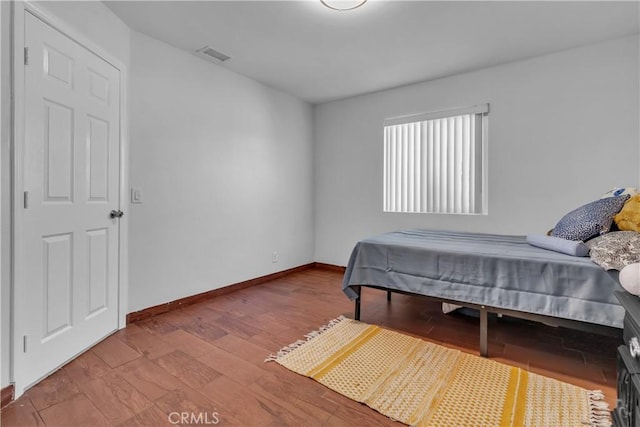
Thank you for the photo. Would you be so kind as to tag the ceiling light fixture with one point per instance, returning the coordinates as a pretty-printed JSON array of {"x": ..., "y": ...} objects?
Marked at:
[{"x": 342, "y": 5}]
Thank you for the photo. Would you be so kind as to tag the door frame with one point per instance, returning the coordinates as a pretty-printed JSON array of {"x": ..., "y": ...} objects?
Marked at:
[{"x": 19, "y": 258}]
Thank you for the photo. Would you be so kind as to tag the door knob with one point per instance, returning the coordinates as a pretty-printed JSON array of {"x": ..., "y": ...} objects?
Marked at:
[{"x": 116, "y": 214}]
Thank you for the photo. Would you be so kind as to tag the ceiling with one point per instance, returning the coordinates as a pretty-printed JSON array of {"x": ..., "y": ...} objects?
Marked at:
[{"x": 319, "y": 55}]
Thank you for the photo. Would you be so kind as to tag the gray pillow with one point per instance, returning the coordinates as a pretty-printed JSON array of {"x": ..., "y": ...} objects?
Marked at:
[
  {"x": 589, "y": 220},
  {"x": 569, "y": 247}
]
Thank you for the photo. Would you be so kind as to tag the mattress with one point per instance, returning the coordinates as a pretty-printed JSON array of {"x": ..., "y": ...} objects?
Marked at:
[{"x": 488, "y": 269}]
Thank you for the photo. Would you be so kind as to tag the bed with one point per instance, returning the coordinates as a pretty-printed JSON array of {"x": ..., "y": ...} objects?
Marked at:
[{"x": 491, "y": 273}]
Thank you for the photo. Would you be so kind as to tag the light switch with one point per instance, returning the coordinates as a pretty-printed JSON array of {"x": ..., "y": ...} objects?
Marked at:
[{"x": 136, "y": 195}]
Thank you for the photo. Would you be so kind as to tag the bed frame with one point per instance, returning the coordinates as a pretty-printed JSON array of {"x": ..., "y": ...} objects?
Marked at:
[{"x": 484, "y": 310}]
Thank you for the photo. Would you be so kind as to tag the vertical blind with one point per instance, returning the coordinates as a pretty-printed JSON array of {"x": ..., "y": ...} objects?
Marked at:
[{"x": 434, "y": 163}]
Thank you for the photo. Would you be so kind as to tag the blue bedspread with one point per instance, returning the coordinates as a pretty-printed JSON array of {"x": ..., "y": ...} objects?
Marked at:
[{"x": 493, "y": 270}]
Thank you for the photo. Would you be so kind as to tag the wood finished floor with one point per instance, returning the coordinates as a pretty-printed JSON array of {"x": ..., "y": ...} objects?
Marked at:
[{"x": 208, "y": 358}]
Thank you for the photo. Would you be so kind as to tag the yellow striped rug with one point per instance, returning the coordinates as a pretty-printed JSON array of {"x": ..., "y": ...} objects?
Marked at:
[{"x": 424, "y": 384}]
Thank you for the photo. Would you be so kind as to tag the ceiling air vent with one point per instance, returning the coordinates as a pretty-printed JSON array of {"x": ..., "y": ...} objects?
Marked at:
[{"x": 211, "y": 54}]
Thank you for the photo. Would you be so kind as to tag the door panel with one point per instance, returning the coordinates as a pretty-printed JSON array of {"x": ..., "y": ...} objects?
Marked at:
[
  {"x": 71, "y": 173},
  {"x": 58, "y": 66},
  {"x": 57, "y": 265},
  {"x": 99, "y": 86},
  {"x": 98, "y": 269},
  {"x": 98, "y": 156},
  {"x": 58, "y": 152}
]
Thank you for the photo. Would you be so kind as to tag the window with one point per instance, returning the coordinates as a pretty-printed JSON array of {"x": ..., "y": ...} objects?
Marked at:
[{"x": 435, "y": 163}]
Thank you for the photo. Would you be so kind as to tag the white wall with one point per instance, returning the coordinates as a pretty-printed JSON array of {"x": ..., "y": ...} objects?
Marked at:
[
  {"x": 225, "y": 165},
  {"x": 95, "y": 22},
  {"x": 563, "y": 129}
]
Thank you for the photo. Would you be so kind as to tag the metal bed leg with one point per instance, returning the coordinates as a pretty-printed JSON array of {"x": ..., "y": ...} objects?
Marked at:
[
  {"x": 388, "y": 296},
  {"x": 484, "y": 351},
  {"x": 356, "y": 314}
]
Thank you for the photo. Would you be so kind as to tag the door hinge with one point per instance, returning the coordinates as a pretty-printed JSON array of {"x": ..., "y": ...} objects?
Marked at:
[
  {"x": 25, "y": 200},
  {"x": 24, "y": 343},
  {"x": 26, "y": 56}
]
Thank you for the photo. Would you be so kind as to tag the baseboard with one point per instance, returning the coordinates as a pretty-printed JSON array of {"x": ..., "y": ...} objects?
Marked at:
[
  {"x": 330, "y": 267},
  {"x": 193, "y": 299},
  {"x": 6, "y": 395}
]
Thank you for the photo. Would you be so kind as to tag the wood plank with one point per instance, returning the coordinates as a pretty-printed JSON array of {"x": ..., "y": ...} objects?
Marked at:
[
  {"x": 20, "y": 413},
  {"x": 244, "y": 349},
  {"x": 54, "y": 389},
  {"x": 241, "y": 371},
  {"x": 117, "y": 399},
  {"x": 189, "y": 343},
  {"x": 114, "y": 352},
  {"x": 206, "y": 331},
  {"x": 86, "y": 367},
  {"x": 77, "y": 411},
  {"x": 233, "y": 398},
  {"x": 6, "y": 395},
  {"x": 148, "y": 378},
  {"x": 151, "y": 416},
  {"x": 189, "y": 370},
  {"x": 149, "y": 345}
]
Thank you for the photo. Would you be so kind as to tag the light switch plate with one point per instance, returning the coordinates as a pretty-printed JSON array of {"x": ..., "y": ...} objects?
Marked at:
[{"x": 136, "y": 195}]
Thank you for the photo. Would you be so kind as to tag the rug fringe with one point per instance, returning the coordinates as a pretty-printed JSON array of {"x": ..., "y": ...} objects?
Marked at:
[
  {"x": 289, "y": 348},
  {"x": 599, "y": 409}
]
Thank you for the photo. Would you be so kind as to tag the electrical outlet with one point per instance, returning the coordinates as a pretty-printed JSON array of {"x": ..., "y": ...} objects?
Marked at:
[{"x": 274, "y": 256}]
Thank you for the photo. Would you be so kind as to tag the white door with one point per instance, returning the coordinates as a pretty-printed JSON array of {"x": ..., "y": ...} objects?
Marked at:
[{"x": 71, "y": 179}]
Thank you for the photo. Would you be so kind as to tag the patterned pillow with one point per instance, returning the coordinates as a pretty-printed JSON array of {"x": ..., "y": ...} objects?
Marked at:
[
  {"x": 615, "y": 250},
  {"x": 589, "y": 220}
]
